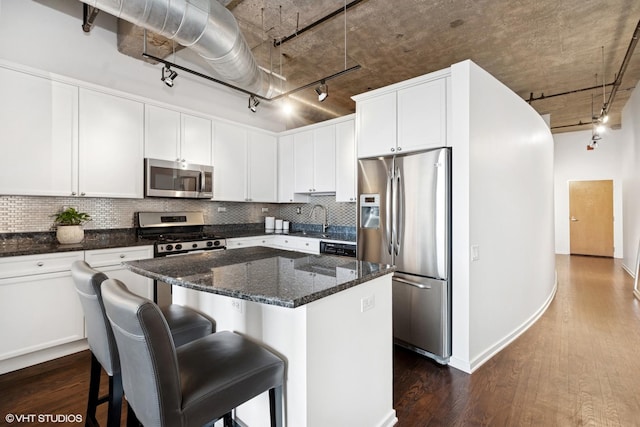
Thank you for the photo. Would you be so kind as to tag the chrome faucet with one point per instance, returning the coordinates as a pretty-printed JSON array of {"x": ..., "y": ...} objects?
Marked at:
[{"x": 325, "y": 223}]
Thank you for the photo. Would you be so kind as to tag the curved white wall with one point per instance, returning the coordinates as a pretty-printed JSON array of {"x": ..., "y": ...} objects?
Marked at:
[
  {"x": 47, "y": 35},
  {"x": 503, "y": 204},
  {"x": 631, "y": 179}
]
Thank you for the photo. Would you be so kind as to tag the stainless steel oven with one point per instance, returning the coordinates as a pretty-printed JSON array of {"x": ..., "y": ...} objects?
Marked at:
[
  {"x": 176, "y": 234},
  {"x": 177, "y": 179}
]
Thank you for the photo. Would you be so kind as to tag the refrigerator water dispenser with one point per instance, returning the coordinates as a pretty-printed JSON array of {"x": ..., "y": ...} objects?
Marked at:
[{"x": 369, "y": 211}]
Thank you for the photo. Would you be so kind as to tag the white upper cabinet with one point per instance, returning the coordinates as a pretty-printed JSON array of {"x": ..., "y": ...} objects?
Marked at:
[
  {"x": 262, "y": 167},
  {"x": 286, "y": 172},
  {"x": 345, "y": 162},
  {"x": 376, "y": 119},
  {"x": 175, "y": 136},
  {"x": 65, "y": 141},
  {"x": 229, "y": 162},
  {"x": 244, "y": 164},
  {"x": 111, "y": 132},
  {"x": 405, "y": 117},
  {"x": 315, "y": 160},
  {"x": 195, "y": 139},
  {"x": 38, "y": 135},
  {"x": 422, "y": 116}
]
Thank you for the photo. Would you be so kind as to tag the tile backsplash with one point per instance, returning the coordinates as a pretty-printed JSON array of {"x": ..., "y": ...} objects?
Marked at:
[{"x": 20, "y": 214}]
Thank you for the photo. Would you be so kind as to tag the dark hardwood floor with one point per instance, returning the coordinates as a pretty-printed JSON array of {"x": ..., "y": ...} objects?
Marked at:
[{"x": 578, "y": 365}]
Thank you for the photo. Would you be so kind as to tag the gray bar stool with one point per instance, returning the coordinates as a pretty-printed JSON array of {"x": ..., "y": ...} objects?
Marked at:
[
  {"x": 185, "y": 325},
  {"x": 193, "y": 384}
]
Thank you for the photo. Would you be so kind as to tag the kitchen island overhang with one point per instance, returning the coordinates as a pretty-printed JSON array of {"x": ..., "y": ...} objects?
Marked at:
[
  {"x": 261, "y": 274},
  {"x": 328, "y": 317}
]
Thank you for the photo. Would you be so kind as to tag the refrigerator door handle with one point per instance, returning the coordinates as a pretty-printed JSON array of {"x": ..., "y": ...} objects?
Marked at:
[
  {"x": 387, "y": 228},
  {"x": 399, "y": 211},
  {"x": 408, "y": 282},
  {"x": 441, "y": 212}
]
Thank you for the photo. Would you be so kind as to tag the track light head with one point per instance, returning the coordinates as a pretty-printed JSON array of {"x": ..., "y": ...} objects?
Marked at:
[
  {"x": 253, "y": 103},
  {"x": 322, "y": 91},
  {"x": 168, "y": 76}
]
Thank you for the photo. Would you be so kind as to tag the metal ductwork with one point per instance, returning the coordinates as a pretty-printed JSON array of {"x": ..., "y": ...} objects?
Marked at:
[{"x": 205, "y": 26}]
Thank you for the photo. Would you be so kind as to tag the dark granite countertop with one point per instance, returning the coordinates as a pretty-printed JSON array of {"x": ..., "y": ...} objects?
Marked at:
[
  {"x": 264, "y": 275},
  {"x": 16, "y": 244}
]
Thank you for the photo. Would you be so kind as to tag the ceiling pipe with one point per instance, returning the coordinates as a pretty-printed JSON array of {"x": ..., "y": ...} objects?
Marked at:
[
  {"x": 623, "y": 69},
  {"x": 278, "y": 42},
  {"x": 206, "y": 27}
]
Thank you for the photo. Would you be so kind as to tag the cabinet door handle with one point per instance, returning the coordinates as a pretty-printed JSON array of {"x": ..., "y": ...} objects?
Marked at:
[
  {"x": 122, "y": 255},
  {"x": 40, "y": 263},
  {"x": 73, "y": 193},
  {"x": 393, "y": 149},
  {"x": 82, "y": 194},
  {"x": 399, "y": 148}
]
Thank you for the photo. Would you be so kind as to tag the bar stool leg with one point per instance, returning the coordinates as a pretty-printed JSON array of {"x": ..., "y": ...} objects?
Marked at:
[
  {"x": 115, "y": 400},
  {"x": 275, "y": 406},
  {"x": 94, "y": 389}
]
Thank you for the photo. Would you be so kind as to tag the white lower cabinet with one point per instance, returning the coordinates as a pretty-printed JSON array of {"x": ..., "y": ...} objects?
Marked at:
[
  {"x": 39, "y": 307},
  {"x": 278, "y": 241},
  {"x": 248, "y": 242},
  {"x": 40, "y": 312},
  {"x": 109, "y": 261},
  {"x": 294, "y": 243}
]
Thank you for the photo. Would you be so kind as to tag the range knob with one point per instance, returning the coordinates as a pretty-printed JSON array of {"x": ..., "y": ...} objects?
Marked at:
[
  {"x": 169, "y": 247},
  {"x": 209, "y": 244},
  {"x": 178, "y": 246},
  {"x": 216, "y": 243},
  {"x": 195, "y": 245}
]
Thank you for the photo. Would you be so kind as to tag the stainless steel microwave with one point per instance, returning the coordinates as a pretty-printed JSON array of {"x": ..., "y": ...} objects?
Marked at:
[{"x": 163, "y": 178}]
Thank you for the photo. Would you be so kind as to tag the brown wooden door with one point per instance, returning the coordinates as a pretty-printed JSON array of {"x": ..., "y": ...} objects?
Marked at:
[{"x": 591, "y": 217}]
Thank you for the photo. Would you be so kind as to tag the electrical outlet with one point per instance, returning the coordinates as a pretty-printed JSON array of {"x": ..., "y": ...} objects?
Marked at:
[
  {"x": 222, "y": 209},
  {"x": 367, "y": 303},
  {"x": 236, "y": 304},
  {"x": 298, "y": 210},
  {"x": 265, "y": 209}
]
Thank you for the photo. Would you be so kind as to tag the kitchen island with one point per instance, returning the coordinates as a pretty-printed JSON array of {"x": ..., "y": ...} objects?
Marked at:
[{"x": 328, "y": 317}]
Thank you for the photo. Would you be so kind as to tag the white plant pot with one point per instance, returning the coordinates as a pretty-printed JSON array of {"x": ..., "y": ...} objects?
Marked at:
[{"x": 69, "y": 234}]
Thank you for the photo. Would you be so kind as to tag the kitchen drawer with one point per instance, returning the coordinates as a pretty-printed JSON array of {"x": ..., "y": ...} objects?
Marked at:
[
  {"x": 300, "y": 244},
  {"x": 37, "y": 264},
  {"x": 115, "y": 256},
  {"x": 247, "y": 242}
]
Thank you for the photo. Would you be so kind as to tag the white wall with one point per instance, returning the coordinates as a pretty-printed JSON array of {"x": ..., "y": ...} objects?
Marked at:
[
  {"x": 47, "y": 35},
  {"x": 574, "y": 163},
  {"x": 503, "y": 203},
  {"x": 631, "y": 179}
]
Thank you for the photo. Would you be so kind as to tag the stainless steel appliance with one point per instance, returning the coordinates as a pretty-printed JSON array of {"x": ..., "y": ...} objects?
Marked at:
[
  {"x": 404, "y": 217},
  {"x": 335, "y": 248},
  {"x": 174, "y": 234},
  {"x": 177, "y": 179}
]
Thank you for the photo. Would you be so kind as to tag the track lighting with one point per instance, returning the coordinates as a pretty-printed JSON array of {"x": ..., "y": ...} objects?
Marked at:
[
  {"x": 253, "y": 103},
  {"x": 322, "y": 91},
  {"x": 168, "y": 76}
]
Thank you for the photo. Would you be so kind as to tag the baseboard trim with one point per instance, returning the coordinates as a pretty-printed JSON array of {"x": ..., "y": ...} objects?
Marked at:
[
  {"x": 493, "y": 350},
  {"x": 391, "y": 419},
  {"x": 40, "y": 356}
]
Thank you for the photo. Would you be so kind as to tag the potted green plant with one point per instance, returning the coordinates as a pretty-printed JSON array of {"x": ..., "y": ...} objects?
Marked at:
[{"x": 69, "y": 225}]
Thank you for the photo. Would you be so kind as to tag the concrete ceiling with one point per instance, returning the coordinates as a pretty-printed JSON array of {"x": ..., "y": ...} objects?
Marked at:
[{"x": 533, "y": 47}]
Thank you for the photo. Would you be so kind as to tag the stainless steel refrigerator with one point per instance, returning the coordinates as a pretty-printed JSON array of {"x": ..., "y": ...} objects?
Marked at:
[{"x": 404, "y": 217}]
